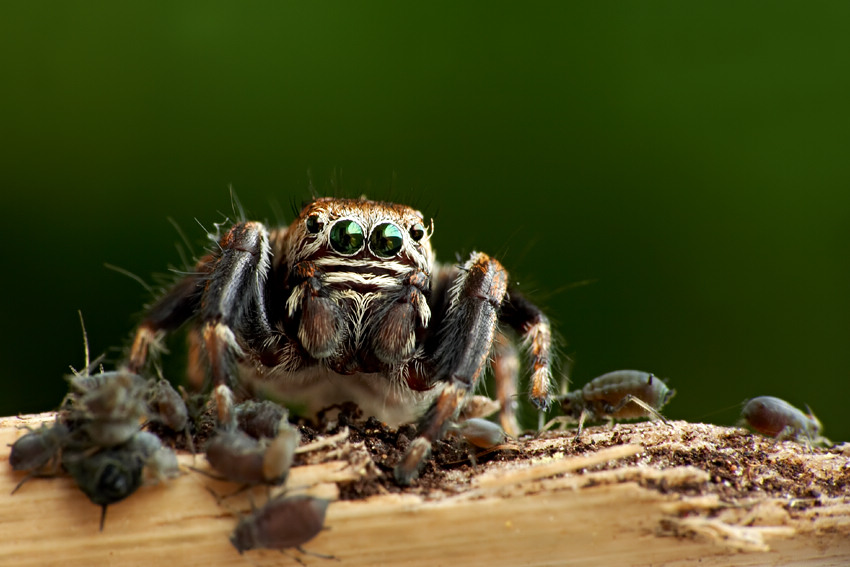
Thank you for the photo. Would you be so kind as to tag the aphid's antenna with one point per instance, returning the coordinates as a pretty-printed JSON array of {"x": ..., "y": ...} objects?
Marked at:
[
  {"x": 130, "y": 275},
  {"x": 643, "y": 405},
  {"x": 737, "y": 406},
  {"x": 810, "y": 412}
]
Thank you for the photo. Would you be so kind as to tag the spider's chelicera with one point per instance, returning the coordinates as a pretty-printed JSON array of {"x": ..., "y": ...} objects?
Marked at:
[{"x": 347, "y": 304}]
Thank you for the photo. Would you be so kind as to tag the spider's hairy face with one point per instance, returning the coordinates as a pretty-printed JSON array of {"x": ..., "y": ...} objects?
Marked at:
[
  {"x": 360, "y": 275},
  {"x": 360, "y": 235}
]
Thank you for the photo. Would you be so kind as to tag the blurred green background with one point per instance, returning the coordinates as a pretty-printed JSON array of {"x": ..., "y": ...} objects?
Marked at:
[{"x": 688, "y": 162}]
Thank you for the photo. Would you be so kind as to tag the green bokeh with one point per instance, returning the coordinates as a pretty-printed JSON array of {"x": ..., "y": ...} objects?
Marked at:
[{"x": 688, "y": 162}]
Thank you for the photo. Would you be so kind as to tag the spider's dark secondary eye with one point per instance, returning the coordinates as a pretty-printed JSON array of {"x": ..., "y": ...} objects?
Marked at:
[
  {"x": 347, "y": 237},
  {"x": 417, "y": 231},
  {"x": 314, "y": 225},
  {"x": 386, "y": 240}
]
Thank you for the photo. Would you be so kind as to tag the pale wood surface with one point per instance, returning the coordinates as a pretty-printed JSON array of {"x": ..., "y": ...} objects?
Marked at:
[{"x": 525, "y": 513}]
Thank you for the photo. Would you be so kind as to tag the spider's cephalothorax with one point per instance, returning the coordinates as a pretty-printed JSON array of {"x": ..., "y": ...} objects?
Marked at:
[{"x": 348, "y": 304}]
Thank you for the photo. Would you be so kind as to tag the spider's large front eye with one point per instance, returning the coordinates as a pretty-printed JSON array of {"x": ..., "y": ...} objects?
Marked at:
[
  {"x": 386, "y": 240},
  {"x": 347, "y": 237}
]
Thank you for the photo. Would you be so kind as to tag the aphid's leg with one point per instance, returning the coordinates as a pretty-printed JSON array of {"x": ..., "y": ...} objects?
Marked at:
[
  {"x": 36, "y": 474},
  {"x": 561, "y": 420},
  {"x": 581, "y": 419},
  {"x": 505, "y": 377},
  {"x": 294, "y": 557},
  {"x": 629, "y": 398},
  {"x": 789, "y": 433},
  {"x": 533, "y": 326},
  {"x": 466, "y": 339},
  {"x": 315, "y": 554}
]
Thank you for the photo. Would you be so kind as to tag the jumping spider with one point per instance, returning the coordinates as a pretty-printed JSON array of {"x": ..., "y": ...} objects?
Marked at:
[{"x": 348, "y": 304}]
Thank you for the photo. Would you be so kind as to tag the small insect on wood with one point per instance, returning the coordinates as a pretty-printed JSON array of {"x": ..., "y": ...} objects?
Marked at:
[
  {"x": 243, "y": 459},
  {"x": 106, "y": 409},
  {"x": 284, "y": 522},
  {"x": 481, "y": 433},
  {"x": 774, "y": 417},
  {"x": 622, "y": 394},
  {"x": 105, "y": 451},
  {"x": 167, "y": 406},
  {"x": 348, "y": 304},
  {"x": 109, "y": 475},
  {"x": 39, "y": 452},
  {"x": 261, "y": 419}
]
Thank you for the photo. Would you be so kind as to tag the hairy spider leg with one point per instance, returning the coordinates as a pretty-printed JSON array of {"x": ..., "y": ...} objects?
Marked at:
[
  {"x": 466, "y": 338},
  {"x": 536, "y": 334},
  {"x": 505, "y": 377},
  {"x": 478, "y": 301},
  {"x": 224, "y": 289}
]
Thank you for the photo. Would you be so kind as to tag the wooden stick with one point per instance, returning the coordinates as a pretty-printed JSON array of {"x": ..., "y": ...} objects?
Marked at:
[{"x": 525, "y": 512}]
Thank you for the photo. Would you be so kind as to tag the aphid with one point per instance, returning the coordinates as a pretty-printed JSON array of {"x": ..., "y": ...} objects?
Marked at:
[
  {"x": 622, "y": 394},
  {"x": 482, "y": 433},
  {"x": 260, "y": 419},
  {"x": 243, "y": 459},
  {"x": 774, "y": 417},
  {"x": 282, "y": 523},
  {"x": 109, "y": 407},
  {"x": 347, "y": 304},
  {"x": 166, "y": 405},
  {"x": 107, "y": 476},
  {"x": 39, "y": 451},
  {"x": 160, "y": 461}
]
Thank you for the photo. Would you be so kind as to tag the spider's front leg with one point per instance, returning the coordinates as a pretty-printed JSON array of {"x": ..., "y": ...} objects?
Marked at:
[
  {"x": 465, "y": 341},
  {"x": 227, "y": 296},
  {"x": 536, "y": 333}
]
